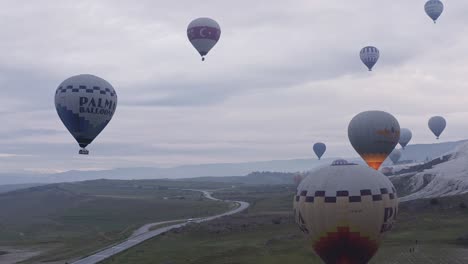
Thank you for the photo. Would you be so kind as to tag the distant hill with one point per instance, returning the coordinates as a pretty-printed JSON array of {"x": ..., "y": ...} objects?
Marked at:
[
  {"x": 13, "y": 187},
  {"x": 254, "y": 178},
  {"x": 188, "y": 171},
  {"x": 419, "y": 153}
]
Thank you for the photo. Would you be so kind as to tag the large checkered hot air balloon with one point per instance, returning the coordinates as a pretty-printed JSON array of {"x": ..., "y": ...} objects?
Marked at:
[
  {"x": 434, "y": 9},
  {"x": 374, "y": 134},
  {"x": 85, "y": 104},
  {"x": 203, "y": 33},
  {"x": 369, "y": 56},
  {"x": 345, "y": 209}
]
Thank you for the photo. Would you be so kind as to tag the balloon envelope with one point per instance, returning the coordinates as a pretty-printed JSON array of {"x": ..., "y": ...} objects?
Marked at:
[
  {"x": 437, "y": 125},
  {"x": 369, "y": 56},
  {"x": 405, "y": 137},
  {"x": 374, "y": 134},
  {"x": 319, "y": 149},
  {"x": 434, "y": 9},
  {"x": 345, "y": 209},
  {"x": 395, "y": 156},
  {"x": 203, "y": 33},
  {"x": 85, "y": 104}
]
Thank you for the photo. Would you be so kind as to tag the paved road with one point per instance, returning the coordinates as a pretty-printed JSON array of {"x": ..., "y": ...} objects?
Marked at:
[{"x": 144, "y": 233}]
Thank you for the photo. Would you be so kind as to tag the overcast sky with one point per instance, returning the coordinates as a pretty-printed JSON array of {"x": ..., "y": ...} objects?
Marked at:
[{"x": 283, "y": 76}]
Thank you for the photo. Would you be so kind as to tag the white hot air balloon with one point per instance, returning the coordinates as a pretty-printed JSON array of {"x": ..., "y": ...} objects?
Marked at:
[
  {"x": 85, "y": 104},
  {"x": 345, "y": 209}
]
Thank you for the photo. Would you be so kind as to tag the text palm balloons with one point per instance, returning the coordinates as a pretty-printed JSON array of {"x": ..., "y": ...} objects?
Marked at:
[
  {"x": 319, "y": 149},
  {"x": 395, "y": 156},
  {"x": 405, "y": 137},
  {"x": 369, "y": 56},
  {"x": 434, "y": 9},
  {"x": 437, "y": 125},
  {"x": 203, "y": 33},
  {"x": 374, "y": 134},
  {"x": 345, "y": 209},
  {"x": 85, "y": 104}
]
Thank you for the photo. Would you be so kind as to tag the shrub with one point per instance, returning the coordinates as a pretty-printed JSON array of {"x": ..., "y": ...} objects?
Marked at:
[{"x": 434, "y": 201}]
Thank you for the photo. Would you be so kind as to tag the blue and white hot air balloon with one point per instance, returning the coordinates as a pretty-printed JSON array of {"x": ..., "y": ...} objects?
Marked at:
[
  {"x": 319, "y": 149},
  {"x": 405, "y": 137},
  {"x": 203, "y": 33},
  {"x": 85, "y": 104},
  {"x": 434, "y": 9},
  {"x": 369, "y": 56},
  {"x": 437, "y": 125},
  {"x": 395, "y": 156}
]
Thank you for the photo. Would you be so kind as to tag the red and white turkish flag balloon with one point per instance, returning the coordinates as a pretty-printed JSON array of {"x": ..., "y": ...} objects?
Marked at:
[{"x": 203, "y": 33}]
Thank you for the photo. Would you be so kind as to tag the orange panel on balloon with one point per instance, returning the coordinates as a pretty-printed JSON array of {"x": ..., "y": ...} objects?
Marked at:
[{"x": 374, "y": 160}]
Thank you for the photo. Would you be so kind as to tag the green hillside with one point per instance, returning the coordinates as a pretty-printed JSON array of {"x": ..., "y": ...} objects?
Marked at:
[{"x": 74, "y": 219}]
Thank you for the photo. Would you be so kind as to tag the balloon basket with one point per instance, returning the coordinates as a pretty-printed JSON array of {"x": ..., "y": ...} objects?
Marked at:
[{"x": 83, "y": 152}]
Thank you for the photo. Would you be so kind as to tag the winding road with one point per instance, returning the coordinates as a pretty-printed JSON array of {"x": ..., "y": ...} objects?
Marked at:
[{"x": 144, "y": 233}]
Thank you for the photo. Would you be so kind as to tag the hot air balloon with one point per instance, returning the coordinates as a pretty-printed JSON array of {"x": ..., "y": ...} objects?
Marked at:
[
  {"x": 369, "y": 56},
  {"x": 345, "y": 209},
  {"x": 437, "y": 125},
  {"x": 203, "y": 33},
  {"x": 395, "y": 156},
  {"x": 374, "y": 134},
  {"x": 405, "y": 137},
  {"x": 319, "y": 149},
  {"x": 434, "y": 9},
  {"x": 85, "y": 104}
]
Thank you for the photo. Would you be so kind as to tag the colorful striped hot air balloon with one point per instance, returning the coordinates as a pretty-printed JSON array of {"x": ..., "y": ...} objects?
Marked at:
[{"x": 346, "y": 209}]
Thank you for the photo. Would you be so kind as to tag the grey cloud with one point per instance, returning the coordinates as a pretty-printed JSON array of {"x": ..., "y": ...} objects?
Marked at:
[{"x": 282, "y": 76}]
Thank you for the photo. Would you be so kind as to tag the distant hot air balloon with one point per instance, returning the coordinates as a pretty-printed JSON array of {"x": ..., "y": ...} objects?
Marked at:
[
  {"x": 203, "y": 33},
  {"x": 437, "y": 125},
  {"x": 319, "y": 149},
  {"x": 405, "y": 137},
  {"x": 374, "y": 134},
  {"x": 369, "y": 56},
  {"x": 345, "y": 209},
  {"x": 395, "y": 156},
  {"x": 434, "y": 9},
  {"x": 85, "y": 104}
]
